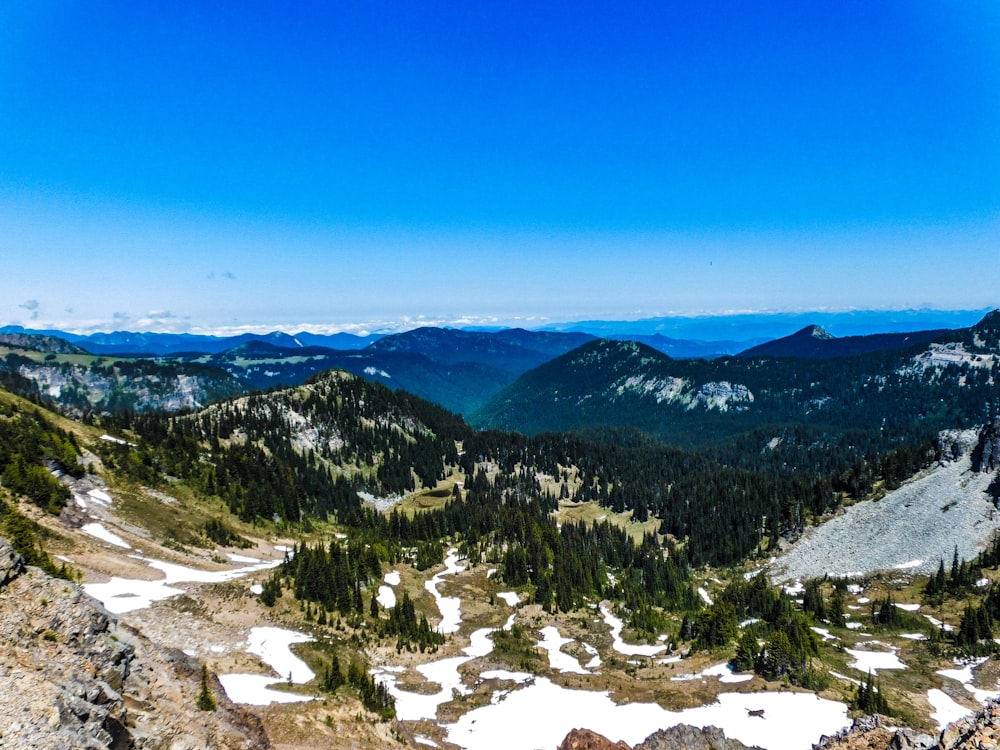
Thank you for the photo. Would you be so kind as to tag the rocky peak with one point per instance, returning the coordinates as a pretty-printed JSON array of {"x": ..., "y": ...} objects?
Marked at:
[{"x": 815, "y": 332}]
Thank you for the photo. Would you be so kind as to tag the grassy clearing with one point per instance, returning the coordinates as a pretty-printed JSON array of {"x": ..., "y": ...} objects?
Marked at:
[{"x": 591, "y": 511}]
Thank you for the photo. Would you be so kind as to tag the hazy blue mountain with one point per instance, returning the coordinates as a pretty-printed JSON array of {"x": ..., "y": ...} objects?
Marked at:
[
  {"x": 514, "y": 349},
  {"x": 686, "y": 348},
  {"x": 160, "y": 344},
  {"x": 814, "y": 342},
  {"x": 752, "y": 328},
  {"x": 461, "y": 387},
  {"x": 342, "y": 341}
]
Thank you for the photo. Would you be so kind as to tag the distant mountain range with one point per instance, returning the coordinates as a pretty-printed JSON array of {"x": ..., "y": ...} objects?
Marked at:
[
  {"x": 473, "y": 372},
  {"x": 159, "y": 344},
  {"x": 754, "y": 328}
]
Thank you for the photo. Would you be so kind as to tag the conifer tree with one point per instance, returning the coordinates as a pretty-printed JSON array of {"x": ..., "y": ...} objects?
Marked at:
[{"x": 206, "y": 701}]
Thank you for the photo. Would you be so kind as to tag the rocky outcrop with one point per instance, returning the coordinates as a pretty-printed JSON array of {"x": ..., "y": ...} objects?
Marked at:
[
  {"x": 679, "y": 737},
  {"x": 868, "y": 733},
  {"x": 11, "y": 564},
  {"x": 687, "y": 737},
  {"x": 979, "y": 731},
  {"x": 584, "y": 739},
  {"x": 71, "y": 677},
  {"x": 953, "y": 445},
  {"x": 986, "y": 455}
]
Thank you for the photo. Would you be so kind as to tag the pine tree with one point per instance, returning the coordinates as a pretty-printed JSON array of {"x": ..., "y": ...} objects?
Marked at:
[{"x": 206, "y": 701}]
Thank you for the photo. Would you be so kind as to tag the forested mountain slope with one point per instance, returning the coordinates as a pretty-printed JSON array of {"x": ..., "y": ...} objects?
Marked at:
[{"x": 949, "y": 382}]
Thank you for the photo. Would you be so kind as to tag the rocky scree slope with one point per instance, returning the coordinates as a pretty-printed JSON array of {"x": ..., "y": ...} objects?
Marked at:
[
  {"x": 917, "y": 525},
  {"x": 72, "y": 677}
]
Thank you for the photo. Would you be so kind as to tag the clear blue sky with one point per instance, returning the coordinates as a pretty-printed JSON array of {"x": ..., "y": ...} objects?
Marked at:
[{"x": 210, "y": 166}]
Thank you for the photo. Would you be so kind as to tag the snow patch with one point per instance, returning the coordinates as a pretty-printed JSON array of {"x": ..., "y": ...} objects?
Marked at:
[{"x": 99, "y": 531}]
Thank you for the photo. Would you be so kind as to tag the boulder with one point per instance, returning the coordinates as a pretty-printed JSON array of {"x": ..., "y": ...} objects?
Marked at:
[
  {"x": 11, "y": 564},
  {"x": 585, "y": 739},
  {"x": 687, "y": 737}
]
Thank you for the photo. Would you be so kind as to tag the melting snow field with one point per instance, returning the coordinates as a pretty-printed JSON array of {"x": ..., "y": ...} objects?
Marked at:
[
  {"x": 417, "y": 706},
  {"x": 386, "y": 596},
  {"x": 620, "y": 646},
  {"x": 98, "y": 530},
  {"x": 873, "y": 661},
  {"x": 722, "y": 671},
  {"x": 552, "y": 641},
  {"x": 511, "y": 597},
  {"x": 946, "y": 710},
  {"x": 964, "y": 675},
  {"x": 542, "y": 713},
  {"x": 449, "y": 606},
  {"x": 272, "y": 646},
  {"x": 121, "y": 595}
]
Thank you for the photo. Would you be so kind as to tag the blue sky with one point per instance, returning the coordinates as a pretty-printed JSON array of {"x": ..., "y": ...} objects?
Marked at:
[{"x": 327, "y": 166}]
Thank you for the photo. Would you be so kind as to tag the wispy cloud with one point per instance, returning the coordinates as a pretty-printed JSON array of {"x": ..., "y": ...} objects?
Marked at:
[
  {"x": 31, "y": 306},
  {"x": 228, "y": 275}
]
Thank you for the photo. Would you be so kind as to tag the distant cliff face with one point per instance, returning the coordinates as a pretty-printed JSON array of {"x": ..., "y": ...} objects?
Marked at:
[
  {"x": 986, "y": 455},
  {"x": 70, "y": 677}
]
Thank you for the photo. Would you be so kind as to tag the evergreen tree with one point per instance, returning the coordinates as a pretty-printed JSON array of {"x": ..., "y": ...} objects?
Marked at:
[{"x": 206, "y": 701}]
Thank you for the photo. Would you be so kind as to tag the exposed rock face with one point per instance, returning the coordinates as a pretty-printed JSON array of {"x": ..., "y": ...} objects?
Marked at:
[
  {"x": 986, "y": 456},
  {"x": 868, "y": 733},
  {"x": 687, "y": 737},
  {"x": 979, "y": 731},
  {"x": 584, "y": 739},
  {"x": 70, "y": 677},
  {"x": 952, "y": 445},
  {"x": 679, "y": 737},
  {"x": 11, "y": 564}
]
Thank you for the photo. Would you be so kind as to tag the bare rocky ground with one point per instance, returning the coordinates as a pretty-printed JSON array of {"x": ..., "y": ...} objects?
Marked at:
[
  {"x": 73, "y": 677},
  {"x": 925, "y": 519}
]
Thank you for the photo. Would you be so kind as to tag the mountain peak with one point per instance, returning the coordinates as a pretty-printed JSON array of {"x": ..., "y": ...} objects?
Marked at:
[
  {"x": 815, "y": 332},
  {"x": 990, "y": 320}
]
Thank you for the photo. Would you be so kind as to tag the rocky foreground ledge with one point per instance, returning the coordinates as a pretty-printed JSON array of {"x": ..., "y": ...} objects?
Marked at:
[
  {"x": 679, "y": 737},
  {"x": 72, "y": 677},
  {"x": 978, "y": 732}
]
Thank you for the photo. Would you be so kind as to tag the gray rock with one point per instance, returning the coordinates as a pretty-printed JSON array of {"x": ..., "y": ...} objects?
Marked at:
[
  {"x": 687, "y": 737},
  {"x": 11, "y": 564},
  {"x": 986, "y": 455}
]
